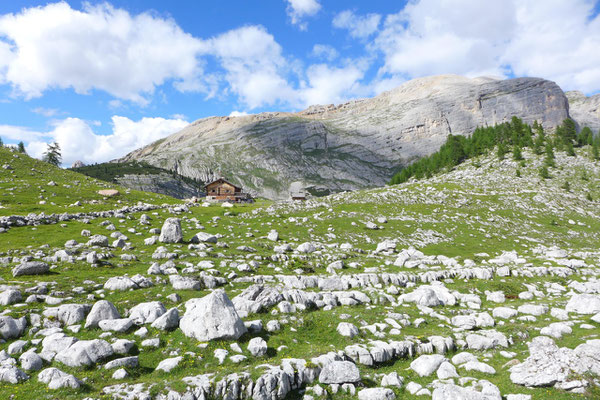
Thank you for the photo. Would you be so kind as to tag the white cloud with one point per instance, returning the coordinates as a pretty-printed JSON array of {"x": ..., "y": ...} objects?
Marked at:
[
  {"x": 100, "y": 47},
  {"x": 325, "y": 51},
  {"x": 254, "y": 67},
  {"x": 298, "y": 9},
  {"x": 238, "y": 113},
  {"x": 552, "y": 39},
  {"x": 18, "y": 133},
  {"x": 332, "y": 85},
  {"x": 360, "y": 27},
  {"x": 46, "y": 112},
  {"x": 78, "y": 141}
]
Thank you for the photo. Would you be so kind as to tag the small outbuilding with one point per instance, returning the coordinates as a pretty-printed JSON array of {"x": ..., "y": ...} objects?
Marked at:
[
  {"x": 297, "y": 191},
  {"x": 221, "y": 190}
]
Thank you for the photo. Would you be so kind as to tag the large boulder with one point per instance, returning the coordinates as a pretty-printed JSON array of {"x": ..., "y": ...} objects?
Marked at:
[
  {"x": 171, "y": 231},
  {"x": 430, "y": 296},
  {"x": 57, "y": 379},
  {"x": 339, "y": 372},
  {"x": 376, "y": 394},
  {"x": 11, "y": 328},
  {"x": 167, "y": 321},
  {"x": 85, "y": 352},
  {"x": 70, "y": 314},
  {"x": 101, "y": 310},
  {"x": 31, "y": 268},
  {"x": 146, "y": 313},
  {"x": 584, "y": 304},
  {"x": 427, "y": 364},
  {"x": 550, "y": 365},
  {"x": 10, "y": 296},
  {"x": 212, "y": 317},
  {"x": 11, "y": 374}
]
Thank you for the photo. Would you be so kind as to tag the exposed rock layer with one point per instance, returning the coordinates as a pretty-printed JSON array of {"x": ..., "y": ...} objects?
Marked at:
[{"x": 353, "y": 145}]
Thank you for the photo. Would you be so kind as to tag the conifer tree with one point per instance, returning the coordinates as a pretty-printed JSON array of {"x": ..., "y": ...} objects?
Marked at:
[
  {"x": 53, "y": 155},
  {"x": 517, "y": 155},
  {"x": 21, "y": 148},
  {"x": 501, "y": 150}
]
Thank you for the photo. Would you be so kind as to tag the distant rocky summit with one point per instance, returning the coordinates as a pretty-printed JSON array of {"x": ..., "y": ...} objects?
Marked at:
[
  {"x": 78, "y": 164},
  {"x": 354, "y": 145},
  {"x": 584, "y": 110}
]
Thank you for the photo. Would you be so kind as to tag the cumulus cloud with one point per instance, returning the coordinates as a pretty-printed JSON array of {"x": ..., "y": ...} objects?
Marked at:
[
  {"x": 46, "y": 112},
  {"x": 255, "y": 68},
  {"x": 328, "y": 84},
  {"x": 325, "y": 51},
  {"x": 78, "y": 140},
  {"x": 552, "y": 39},
  {"x": 100, "y": 47},
  {"x": 18, "y": 133},
  {"x": 360, "y": 27},
  {"x": 297, "y": 10}
]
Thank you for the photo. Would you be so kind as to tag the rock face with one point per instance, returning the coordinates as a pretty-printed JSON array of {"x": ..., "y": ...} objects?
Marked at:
[
  {"x": 353, "y": 145},
  {"x": 585, "y": 110},
  {"x": 162, "y": 183},
  {"x": 212, "y": 317}
]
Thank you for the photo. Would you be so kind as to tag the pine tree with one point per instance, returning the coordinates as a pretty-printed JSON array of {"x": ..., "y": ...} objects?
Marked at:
[
  {"x": 595, "y": 149},
  {"x": 567, "y": 186},
  {"x": 1, "y": 142},
  {"x": 568, "y": 131},
  {"x": 549, "y": 161},
  {"x": 538, "y": 144},
  {"x": 517, "y": 155},
  {"x": 21, "y": 148},
  {"x": 53, "y": 155},
  {"x": 570, "y": 149},
  {"x": 501, "y": 151},
  {"x": 585, "y": 137},
  {"x": 544, "y": 172}
]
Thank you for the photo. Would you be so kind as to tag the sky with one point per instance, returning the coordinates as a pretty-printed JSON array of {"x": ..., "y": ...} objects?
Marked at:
[{"x": 105, "y": 78}]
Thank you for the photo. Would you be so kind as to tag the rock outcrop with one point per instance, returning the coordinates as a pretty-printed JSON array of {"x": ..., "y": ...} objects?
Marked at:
[
  {"x": 584, "y": 110},
  {"x": 159, "y": 183},
  {"x": 353, "y": 145}
]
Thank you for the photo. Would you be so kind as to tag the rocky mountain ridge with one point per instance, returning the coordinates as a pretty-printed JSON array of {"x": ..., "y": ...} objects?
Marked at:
[{"x": 354, "y": 145}]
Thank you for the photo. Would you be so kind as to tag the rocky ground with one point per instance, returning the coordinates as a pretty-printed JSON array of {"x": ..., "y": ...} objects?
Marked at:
[{"x": 474, "y": 284}]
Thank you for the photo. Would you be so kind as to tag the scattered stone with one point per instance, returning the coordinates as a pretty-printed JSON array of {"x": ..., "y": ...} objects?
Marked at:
[{"x": 212, "y": 317}]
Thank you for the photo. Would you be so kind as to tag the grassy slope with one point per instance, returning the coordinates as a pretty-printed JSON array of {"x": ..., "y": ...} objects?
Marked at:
[
  {"x": 472, "y": 210},
  {"x": 23, "y": 187},
  {"x": 110, "y": 171}
]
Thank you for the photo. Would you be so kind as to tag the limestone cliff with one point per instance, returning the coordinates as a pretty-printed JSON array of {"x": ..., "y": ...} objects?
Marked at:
[
  {"x": 353, "y": 145},
  {"x": 585, "y": 110}
]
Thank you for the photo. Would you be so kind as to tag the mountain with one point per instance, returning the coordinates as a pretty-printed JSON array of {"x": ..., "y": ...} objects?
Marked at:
[
  {"x": 359, "y": 144},
  {"x": 585, "y": 110}
]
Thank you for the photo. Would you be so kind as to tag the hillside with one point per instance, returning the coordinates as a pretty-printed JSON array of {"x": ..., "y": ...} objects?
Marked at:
[
  {"x": 29, "y": 185},
  {"x": 144, "y": 177},
  {"x": 480, "y": 281},
  {"x": 355, "y": 145}
]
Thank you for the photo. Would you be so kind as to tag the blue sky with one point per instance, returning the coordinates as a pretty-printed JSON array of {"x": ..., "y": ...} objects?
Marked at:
[{"x": 103, "y": 78}]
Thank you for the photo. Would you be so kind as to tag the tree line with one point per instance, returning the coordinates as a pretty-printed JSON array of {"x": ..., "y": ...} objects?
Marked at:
[{"x": 507, "y": 137}]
